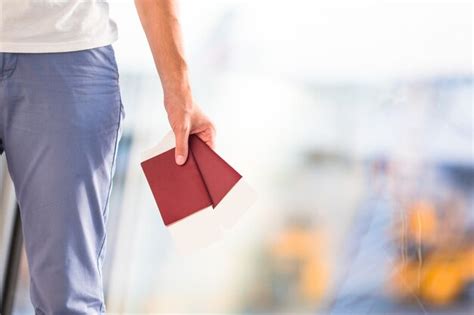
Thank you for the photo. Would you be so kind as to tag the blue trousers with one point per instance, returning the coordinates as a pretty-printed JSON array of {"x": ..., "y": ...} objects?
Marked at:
[{"x": 60, "y": 124}]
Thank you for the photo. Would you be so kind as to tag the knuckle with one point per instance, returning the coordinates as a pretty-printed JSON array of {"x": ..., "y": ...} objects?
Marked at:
[{"x": 213, "y": 130}]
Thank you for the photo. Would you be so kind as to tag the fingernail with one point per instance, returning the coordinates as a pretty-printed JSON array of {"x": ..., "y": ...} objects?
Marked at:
[{"x": 180, "y": 160}]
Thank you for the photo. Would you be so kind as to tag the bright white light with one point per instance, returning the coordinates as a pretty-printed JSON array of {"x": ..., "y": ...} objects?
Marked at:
[{"x": 319, "y": 39}]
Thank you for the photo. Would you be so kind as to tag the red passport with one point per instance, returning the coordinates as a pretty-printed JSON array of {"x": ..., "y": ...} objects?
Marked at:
[
  {"x": 180, "y": 191},
  {"x": 199, "y": 200}
]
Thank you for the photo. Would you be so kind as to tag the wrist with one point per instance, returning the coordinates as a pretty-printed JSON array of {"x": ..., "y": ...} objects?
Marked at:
[
  {"x": 176, "y": 84},
  {"x": 175, "y": 78},
  {"x": 178, "y": 98}
]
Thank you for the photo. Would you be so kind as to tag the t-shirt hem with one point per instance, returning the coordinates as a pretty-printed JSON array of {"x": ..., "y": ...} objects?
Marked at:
[{"x": 6, "y": 47}]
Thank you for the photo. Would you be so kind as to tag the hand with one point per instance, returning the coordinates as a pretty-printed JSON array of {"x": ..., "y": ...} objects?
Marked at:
[{"x": 186, "y": 118}]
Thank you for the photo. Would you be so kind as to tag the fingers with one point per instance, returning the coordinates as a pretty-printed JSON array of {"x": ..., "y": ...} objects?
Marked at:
[
  {"x": 211, "y": 140},
  {"x": 181, "y": 153},
  {"x": 207, "y": 134}
]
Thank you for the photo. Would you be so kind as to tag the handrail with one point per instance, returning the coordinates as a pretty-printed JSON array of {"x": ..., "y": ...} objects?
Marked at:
[{"x": 13, "y": 266}]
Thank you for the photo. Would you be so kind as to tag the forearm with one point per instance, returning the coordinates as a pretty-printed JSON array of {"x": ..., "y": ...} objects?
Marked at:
[{"x": 161, "y": 25}]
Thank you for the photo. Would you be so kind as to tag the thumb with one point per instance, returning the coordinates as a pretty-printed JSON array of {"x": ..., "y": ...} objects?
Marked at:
[{"x": 181, "y": 152}]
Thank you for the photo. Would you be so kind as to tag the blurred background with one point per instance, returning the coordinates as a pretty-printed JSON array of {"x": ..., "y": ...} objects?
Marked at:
[{"x": 353, "y": 120}]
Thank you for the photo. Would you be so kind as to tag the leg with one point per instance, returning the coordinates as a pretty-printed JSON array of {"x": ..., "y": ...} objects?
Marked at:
[{"x": 61, "y": 129}]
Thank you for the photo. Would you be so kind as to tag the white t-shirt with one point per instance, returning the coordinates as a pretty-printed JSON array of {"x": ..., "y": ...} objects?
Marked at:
[{"x": 38, "y": 26}]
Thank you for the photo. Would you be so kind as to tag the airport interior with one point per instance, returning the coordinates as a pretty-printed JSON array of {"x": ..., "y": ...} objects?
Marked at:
[{"x": 353, "y": 122}]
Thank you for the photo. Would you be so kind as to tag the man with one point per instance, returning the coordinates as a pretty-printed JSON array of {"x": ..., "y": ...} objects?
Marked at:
[{"x": 60, "y": 123}]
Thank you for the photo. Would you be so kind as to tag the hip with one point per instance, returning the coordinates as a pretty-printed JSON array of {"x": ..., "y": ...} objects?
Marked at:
[{"x": 65, "y": 91}]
